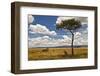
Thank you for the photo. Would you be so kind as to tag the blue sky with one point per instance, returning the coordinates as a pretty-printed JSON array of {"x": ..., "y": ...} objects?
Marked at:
[
  {"x": 42, "y": 31},
  {"x": 49, "y": 22}
]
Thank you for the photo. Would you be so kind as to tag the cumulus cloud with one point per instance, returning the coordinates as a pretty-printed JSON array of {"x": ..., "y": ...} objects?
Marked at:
[
  {"x": 30, "y": 18},
  {"x": 82, "y": 19},
  {"x": 80, "y": 39},
  {"x": 77, "y": 35},
  {"x": 47, "y": 41},
  {"x": 41, "y": 29},
  {"x": 66, "y": 38}
]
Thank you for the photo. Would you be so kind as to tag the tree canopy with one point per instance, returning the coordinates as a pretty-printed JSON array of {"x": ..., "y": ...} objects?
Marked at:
[{"x": 70, "y": 24}]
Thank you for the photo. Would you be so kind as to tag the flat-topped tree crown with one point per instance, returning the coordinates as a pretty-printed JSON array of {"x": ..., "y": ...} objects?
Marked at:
[{"x": 70, "y": 24}]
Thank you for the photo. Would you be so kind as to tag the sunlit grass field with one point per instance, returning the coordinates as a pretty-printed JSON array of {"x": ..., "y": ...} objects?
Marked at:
[{"x": 56, "y": 53}]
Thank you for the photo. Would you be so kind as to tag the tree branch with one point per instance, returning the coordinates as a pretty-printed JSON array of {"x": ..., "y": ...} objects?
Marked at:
[{"x": 71, "y": 32}]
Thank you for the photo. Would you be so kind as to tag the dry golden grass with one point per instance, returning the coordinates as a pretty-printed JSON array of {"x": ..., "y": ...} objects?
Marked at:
[{"x": 56, "y": 53}]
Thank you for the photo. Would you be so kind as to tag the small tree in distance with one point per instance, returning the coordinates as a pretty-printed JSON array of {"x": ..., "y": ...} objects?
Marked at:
[{"x": 71, "y": 25}]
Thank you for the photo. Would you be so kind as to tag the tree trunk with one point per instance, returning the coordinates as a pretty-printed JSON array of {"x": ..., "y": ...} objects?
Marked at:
[{"x": 72, "y": 44}]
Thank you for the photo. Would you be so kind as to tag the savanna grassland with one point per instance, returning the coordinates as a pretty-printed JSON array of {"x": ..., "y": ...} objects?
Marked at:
[{"x": 56, "y": 53}]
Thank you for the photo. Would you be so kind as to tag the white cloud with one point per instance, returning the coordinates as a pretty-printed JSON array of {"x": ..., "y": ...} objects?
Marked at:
[
  {"x": 82, "y": 19},
  {"x": 79, "y": 39},
  {"x": 46, "y": 41},
  {"x": 66, "y": 37},
  {"x": 41, "y": 29},
  {"x": 77, "y": 35},
  {"x": 30, "y": 18},
  {"x": 60, "y": 19}
]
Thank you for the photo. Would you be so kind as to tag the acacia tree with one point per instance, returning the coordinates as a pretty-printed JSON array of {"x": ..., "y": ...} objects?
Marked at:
[{"x": 71, "y": 25}]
